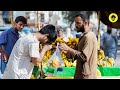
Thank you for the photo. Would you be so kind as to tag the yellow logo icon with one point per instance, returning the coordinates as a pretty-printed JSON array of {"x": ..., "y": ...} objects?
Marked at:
[{"x": 113, "y": 17}]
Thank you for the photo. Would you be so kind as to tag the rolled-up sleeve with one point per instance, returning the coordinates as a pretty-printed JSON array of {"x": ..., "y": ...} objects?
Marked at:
[
  {"x": 85, "y": 53},
  {"x": 34, "y": 50}
]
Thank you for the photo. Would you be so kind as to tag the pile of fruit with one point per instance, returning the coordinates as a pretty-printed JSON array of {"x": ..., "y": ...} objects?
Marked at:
[
  {"x": 72, "y": 42},
  {"x": 104, "y": 61},
  {"x": 55, "y": 62}
]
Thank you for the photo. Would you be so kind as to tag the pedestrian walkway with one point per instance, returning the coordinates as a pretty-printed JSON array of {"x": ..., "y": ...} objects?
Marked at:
[{"x": 109, "y": 77}]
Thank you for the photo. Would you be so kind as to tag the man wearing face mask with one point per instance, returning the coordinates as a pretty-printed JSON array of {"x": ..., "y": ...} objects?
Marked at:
[
  {"x": 86, "y": 53},
  {"x": 25, "y": 53},
  {"x": 109, "y": 43},
  {"x": 8, "y": 39}
]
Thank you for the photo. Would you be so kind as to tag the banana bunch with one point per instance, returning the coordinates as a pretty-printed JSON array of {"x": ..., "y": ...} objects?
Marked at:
[
  {"x": 32, "y": 77},
  {"x": 69, "y": 63},
  {"x": 101, "y": 54},
  {"x": 111, "y": 61},
  {"x": 106, "y": 62},
  {"x": 58, "y": 40},
  {"x": 55, "y": 62},
  {"x": 98, "y": 73},
  {"x": 72, "y": 42}
]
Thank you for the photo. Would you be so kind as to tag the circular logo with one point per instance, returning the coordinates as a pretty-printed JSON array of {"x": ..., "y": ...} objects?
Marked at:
[{"x": 113, "y": 17}]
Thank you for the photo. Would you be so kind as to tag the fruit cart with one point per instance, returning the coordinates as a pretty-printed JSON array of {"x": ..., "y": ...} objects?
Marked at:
[
  {"x": 105, "y": 68},
  {"x": 68, "y": 72}
]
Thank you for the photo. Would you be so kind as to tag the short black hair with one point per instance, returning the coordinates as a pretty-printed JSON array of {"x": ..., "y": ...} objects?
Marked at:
[
  {"x": 49, "y": 29},
  {"x": 21, "y": 19},
  {"x": 83, "y": 15}
]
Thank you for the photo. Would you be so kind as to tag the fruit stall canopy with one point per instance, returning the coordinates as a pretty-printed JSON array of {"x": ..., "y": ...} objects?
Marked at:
[{"x": 104, "y": 18}]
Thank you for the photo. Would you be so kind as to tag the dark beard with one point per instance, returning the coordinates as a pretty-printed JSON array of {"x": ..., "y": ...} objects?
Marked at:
[
  {"x": 81, "y": 29},
  {"x": 109, "y": 31}
]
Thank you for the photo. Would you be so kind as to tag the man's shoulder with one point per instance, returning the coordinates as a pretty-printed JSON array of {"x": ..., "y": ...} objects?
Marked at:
[
  {"x": 7, "y": 31},
  {"x": 105, "y": 35},
  {"x": 4, "y": 33},
  {"x": 28, "y": 38},
  {"x": 90, "y": 34}
]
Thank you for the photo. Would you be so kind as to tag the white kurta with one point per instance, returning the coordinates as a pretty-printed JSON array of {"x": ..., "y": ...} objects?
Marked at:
[{"x": 19, "y": 65}]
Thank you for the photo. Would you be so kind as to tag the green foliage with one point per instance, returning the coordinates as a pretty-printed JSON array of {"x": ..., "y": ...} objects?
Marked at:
[{"x": 69, "y": 15}]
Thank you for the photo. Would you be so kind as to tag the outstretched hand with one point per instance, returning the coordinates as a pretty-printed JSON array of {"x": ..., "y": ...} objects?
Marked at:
[
  {"x": 47, "y": 47},
  {"x": 5, "y": 56},
  {"x": 63, "y": 47}
]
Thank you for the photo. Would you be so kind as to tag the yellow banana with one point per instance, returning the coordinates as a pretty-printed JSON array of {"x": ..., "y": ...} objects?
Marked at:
[{"x": 98, "y": 73}]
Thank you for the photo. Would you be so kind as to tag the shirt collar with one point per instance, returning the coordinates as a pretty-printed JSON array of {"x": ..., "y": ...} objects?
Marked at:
[
  {"x": 86, "y": 32},
  {"x": 35, "y": 38},
  {"x": 13, "y": 30}
]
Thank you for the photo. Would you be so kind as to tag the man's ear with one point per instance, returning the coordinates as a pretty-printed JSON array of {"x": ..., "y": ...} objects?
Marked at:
[
  {"x": 86, "y": 22},
  {"x": 14, "y": 23},
  {"x": 47, "y": 34}
]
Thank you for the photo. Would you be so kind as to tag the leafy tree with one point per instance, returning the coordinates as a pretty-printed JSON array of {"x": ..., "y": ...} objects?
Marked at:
[{"x": 69, "y": 15}]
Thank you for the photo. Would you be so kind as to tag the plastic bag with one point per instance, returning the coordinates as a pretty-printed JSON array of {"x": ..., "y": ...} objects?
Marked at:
[{"x": 56, "y": 61}]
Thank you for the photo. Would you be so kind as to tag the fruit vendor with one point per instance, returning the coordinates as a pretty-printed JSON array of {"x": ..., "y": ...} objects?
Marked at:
[
  {"x": 8, "y": 39},
  {"x": 86, "y": 54},
  {"x": 109, "y": 43},
  {"x": 25, "y": 53}
]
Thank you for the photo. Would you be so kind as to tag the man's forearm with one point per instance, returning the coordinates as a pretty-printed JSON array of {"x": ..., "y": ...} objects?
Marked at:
[
  {"x": 0, "y": 50},
  {"x": 77, "y": 55},
  {"x": 6, "y": 57},
  {"x": 41, "y": 56},
  {"x": 36, "y": 61}
]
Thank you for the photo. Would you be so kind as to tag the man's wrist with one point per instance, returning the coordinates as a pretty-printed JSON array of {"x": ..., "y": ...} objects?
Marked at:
[{"x": 43, "y": 51}]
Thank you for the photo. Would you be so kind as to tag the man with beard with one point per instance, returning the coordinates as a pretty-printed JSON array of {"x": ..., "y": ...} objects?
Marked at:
[
  {"x": 109, "y": 43},
  {"x": 86, "y": 53},
  {"x": 8, "y": 39}
]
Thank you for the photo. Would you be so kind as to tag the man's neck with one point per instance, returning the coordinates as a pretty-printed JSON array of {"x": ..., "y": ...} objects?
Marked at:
[
  {"x": 15, "y": 29},
  {"x": 86, "y": 29},
  {"x": 37, "y": 36}
]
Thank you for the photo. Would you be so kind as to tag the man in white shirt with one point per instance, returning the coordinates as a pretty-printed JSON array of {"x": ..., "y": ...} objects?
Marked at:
[{"x": 25, "y": 53}]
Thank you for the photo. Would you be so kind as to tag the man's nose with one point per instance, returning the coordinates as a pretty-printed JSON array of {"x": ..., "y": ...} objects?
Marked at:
[{"x": 22, "y": 27}]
